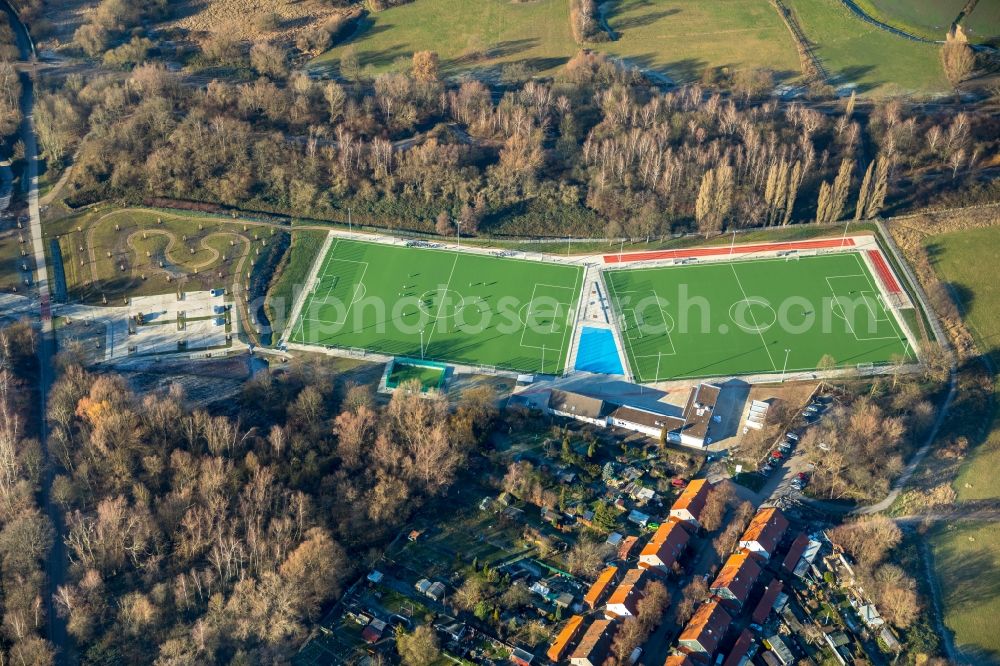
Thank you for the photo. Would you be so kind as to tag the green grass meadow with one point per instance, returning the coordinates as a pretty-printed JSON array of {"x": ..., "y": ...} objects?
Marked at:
[
  {"x": 855, "y": 52},
  {"x": 967, "y": 558},
  {"x": 536, "y": 33},
  {"x": 681, "y": 38},
  {"x": 931, "y": 19},
  {"x": 959, "y": 259},
  {"x": 442, "y": 305},
  {"x": 678, "y": 38},
  {"x": 966, "y": 554},
  {"x": 733, "y": 318}
]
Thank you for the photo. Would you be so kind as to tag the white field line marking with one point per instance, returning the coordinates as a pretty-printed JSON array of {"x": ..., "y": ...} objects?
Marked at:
[
  {"x": 836, "y": 300},
  {"x": 570, "y": 318},
  {"x": 876, "y": 317},
  {"x": 663, "y": 315},
  {"x": 437, "y": 317},
  {"x": 616, "y": 304},
  {"x": 463, "y": 253},
  {"x": 325, "y": 299},
  {"x": 531, "y": 302},
  {"x": 527, "y": 317},
  {"x": 843, "y": 312},
  {"x": 891, "y": 313},
  {"x": 756, "y": 325},
  {"x": 875, "y": 288},
  {"x": 300, "y": 301},
  {"x": 635, "y": 318}
]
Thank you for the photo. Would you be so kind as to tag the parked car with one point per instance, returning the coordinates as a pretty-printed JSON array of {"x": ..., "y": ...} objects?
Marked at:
[
  {"x": 679, "y": 483},
  {"x": 792, "y": 436}
]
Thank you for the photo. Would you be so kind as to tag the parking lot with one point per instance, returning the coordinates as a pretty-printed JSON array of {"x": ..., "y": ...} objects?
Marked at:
[
  {"x": 788, "y": 472},
  {"x": 165, "y": 323}
]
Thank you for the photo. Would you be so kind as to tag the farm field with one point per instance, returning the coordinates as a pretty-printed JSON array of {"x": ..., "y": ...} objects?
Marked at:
[
  {"x": 966, "y": 557},
  {"x": 196, "y": 253},
  {"x": 983, "y": 24},
  {"x": 681, "y": 38},
  {"x": 857, "y": 53},
  {"x": 958, "y": 258},
  {"x": 963, "y": 552},
  {"x": 442, "y": 305},
  {"x": 678, "y": 38},
  {"x": 744, "y": 317},
  {"x": 931, "y": 19},
  {"x": 536, "y": 33}
]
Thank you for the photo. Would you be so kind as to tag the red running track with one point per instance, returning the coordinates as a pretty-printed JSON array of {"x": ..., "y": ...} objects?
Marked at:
[
  {"x": 884, "y": 274},
  {"x": 821, "y": 244}
]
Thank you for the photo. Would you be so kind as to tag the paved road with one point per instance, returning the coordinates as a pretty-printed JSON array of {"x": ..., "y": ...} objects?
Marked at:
[{"x": 55, "y": 565}]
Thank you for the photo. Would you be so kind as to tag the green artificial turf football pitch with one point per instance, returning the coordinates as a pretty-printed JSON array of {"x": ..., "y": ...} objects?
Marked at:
[
  {"x": 744, "y": 317},
  {"x": 458, "y": 307}
]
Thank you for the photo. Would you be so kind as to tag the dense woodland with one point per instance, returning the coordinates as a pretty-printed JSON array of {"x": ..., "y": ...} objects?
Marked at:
[
  {"x": 869, "y": 541},
  {"x": 861, "y": 444},
  {"x": 26, "y": 533},
  {"x": 597, "y": 151},
  {"x": 10, "y": 83},
  {"x": 200, "y": 538}
]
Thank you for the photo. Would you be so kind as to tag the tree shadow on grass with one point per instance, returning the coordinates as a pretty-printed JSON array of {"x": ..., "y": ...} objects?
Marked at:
[
  {"x": 784, "y": 75},
  {"x": 851, "y": 76},
  {"x": 968, "y": 581},
  {"x": 620, "y": 24},
  {"x": 544, "y": 64},
  {"x": 680, "y": 71},
  {"x": 498, "y": 50},
  {"x": 381, "y": 58}
]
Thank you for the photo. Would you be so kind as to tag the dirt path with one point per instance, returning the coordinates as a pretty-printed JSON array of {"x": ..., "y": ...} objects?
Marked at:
[
  {"x": 172, "y": 241},
  {"x": 172, "y": 244},
  {"x": 935, "y": 588},
  {"x": 53, "y": 193}
]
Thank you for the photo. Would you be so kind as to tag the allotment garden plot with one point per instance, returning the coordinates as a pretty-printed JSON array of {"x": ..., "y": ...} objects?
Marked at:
[
  {"x": 460, "y": 307},
  {"x": 760, "y": 316}
]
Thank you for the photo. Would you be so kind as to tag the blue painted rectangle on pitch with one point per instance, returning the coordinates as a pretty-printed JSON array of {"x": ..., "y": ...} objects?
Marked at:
[{"x": 598, "y": 352}]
